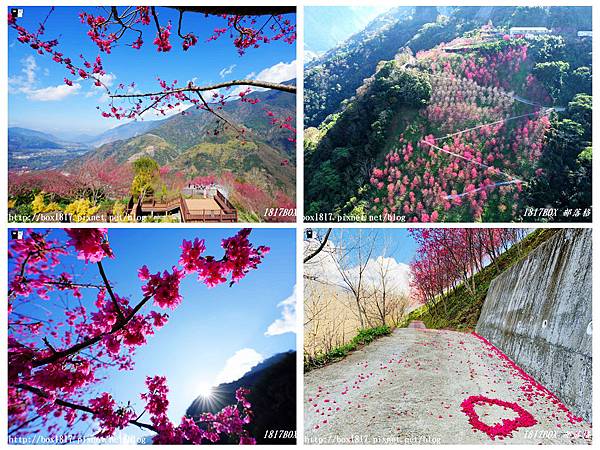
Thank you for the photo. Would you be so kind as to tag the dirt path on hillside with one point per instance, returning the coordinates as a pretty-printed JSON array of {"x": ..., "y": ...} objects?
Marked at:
[{"x": 408, "y": 388}]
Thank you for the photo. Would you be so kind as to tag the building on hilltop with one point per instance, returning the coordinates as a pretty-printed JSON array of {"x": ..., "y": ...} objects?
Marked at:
[{"x": 528, "y": 32}]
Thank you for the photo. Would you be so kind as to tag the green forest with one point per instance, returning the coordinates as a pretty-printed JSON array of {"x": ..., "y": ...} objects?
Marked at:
[{"x": 379, "y": 109}]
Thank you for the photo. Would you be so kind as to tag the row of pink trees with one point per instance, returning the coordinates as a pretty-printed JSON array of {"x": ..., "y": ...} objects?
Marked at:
[
  {"x": 55, "y": 363},
  {"x": 95, "y": 179},
  {"x": 448, "y": 257},
  {"x": 468, "y": 155}
]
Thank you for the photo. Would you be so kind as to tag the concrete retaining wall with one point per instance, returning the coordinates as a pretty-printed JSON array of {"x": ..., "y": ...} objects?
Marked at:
[{"x": 539, "y": 313}]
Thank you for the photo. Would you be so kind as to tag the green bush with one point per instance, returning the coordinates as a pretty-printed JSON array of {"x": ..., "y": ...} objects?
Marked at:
[{"x": 364, "y": 336}]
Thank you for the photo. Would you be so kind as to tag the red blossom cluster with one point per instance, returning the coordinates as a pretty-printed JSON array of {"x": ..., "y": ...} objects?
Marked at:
[
  {"x": 285, "y": 123},
  {"x": 248, "y": 33},
  {"x": 498, "y": 430},
  {"x": 54, "y": 363},
  {"x": 91, "y": 244}
]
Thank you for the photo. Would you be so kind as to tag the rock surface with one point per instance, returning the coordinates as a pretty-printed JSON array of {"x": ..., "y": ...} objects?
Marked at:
[{"x": 539, "y": 313}]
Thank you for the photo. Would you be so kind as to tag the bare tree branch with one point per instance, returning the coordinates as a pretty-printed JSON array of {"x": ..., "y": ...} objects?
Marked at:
[
  {"x": 211, "y": 87},
  {"x": 318, "y": 250}
]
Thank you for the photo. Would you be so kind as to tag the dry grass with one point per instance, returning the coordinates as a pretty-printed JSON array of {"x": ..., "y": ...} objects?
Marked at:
[{"x": 331, "y": 317}]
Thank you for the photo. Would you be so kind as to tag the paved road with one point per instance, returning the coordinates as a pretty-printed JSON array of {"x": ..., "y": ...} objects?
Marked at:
[{"x": 407, "y": 388}]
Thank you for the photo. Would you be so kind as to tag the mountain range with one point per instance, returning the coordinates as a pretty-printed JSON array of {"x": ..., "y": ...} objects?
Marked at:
[
  {"x": 186, "y": 142},
  {"x": 363, "y": 95}
]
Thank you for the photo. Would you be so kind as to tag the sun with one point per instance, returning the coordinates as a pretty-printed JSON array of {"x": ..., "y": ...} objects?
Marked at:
[{"x": 205, "y": 390}]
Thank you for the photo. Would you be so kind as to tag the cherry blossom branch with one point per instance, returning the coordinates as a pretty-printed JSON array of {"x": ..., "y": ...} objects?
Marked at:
[
  {"x": 212, "y": 110},
  {"x": 66, "y": 404},
  {"x": 46, "y": 371},
  {"x": 212, "y": 87},
  {"x": 110, "y": 291},
  {"x": 88, "y": 342}
]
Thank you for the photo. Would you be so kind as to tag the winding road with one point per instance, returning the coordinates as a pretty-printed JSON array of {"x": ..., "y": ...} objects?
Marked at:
[{"x": 415, "y": 387}]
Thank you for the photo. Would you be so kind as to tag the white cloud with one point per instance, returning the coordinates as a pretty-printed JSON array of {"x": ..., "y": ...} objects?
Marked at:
[
  {"x": 25, "y": 83},
  {"x": 26, "y": 79},
  {"x": 227, "y": 70},
  {"x": 287, "y": 322},
  {"x": 108, "y": 79},
  {"x": 278, "y": 73},
  {"x": 51, "y": 93},
  {"x": 236, "y": 366},
  {"x": 29, "y": 69}
]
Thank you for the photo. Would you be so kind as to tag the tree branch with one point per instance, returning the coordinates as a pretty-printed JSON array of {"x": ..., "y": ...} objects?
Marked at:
[
  {"x": 211, "y": 110},
  {"x": 210, "y": 87},
  {"x": 318, "y": 250},
  {"x": 71, "y": 405},
  {"x": 110, "y": 291}
]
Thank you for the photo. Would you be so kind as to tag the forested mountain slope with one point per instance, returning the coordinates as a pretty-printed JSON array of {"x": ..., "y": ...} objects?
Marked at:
[{"x": 387, "y": 151}]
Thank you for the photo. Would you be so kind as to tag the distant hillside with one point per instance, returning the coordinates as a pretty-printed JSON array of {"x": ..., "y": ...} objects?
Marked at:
[
  {"x": 320, "y": 36},
  {"x": 125, "y": 131},
  {"x": 20, "y": 138},
  {"x": 336, "y": 75},
  {"x": 188, "y": 142},
  {"x": 31, "y": 150},
  {"x": 273, "y": 397}
]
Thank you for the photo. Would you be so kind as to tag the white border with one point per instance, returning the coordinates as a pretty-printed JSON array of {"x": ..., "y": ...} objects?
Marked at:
[{"x": 299, "y": 175}]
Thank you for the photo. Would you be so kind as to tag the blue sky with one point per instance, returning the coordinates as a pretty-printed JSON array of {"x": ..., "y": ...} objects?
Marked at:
[
  {"x": 402, "y": 246},
  {"x": 320, "y": 36},
  {"x": 392, "y": 248},
  {"x": 211, "y": 325},
  {"x": 39, "y": 99}
]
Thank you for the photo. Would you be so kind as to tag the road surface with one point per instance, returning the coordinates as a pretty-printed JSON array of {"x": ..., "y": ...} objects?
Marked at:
[{"x": 408, "y": 388}]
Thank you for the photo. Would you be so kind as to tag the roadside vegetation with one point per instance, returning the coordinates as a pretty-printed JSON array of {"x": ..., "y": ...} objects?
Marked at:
[{"x": 364, "y": 337}]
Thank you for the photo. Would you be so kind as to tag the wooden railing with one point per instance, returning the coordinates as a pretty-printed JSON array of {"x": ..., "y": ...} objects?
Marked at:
[
  {"x": 154, "y": 205},
  {"x": 225, "y": 213}
]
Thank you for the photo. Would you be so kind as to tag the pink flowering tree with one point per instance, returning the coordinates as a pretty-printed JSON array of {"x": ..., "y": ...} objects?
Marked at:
[
  {"x": 448, "y": 257},
  {"x": 252, "y": 198},
  {"x": 471, "y": 151},
  {"x": 56, "y": 363},
  {"x": 247, "y": 27}
]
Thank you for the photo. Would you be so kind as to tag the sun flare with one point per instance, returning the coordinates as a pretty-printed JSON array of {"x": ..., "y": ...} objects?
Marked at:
[{"x": 205, "y": 390}]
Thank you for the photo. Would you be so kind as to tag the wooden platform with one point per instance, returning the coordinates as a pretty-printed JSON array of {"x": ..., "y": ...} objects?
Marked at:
[{"x": 195, "y": 209}]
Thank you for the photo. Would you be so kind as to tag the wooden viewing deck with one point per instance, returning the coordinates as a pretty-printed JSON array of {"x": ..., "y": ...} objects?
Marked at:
[{"x": 194, "y": 209}]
